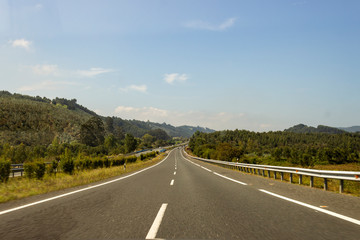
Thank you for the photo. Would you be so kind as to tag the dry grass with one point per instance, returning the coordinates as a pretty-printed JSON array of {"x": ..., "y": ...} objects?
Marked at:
[{"x": 21, "y": 187}]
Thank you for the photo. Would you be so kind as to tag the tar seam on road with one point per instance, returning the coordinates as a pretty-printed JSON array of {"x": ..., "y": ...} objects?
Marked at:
[
  {"x": 349, "y": 219},
  {"x": 172, "y": 182},
  {"x": 156, "y": 224},
  {"x": 80, "y": 190}
]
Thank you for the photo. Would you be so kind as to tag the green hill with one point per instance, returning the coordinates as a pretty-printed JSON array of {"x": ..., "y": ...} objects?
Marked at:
[
  {"x": 36, "y": 121},
  {"x": 302, "y": 128}
]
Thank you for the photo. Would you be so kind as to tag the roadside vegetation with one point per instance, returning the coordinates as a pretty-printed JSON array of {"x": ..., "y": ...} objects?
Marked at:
[
  {"x": 278, "y": 148},
  {"x": 85, "y": 171},
  {"x": 323, "y": 151}
]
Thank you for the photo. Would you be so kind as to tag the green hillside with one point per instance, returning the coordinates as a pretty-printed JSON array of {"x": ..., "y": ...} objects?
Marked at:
[
  {"x": 301, "y": 128},
  {"x": 37, "y": 121}
]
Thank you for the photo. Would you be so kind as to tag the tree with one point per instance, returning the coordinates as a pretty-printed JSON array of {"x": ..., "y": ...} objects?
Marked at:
[
  {"x": 148, "y": 140},
  {"x": 130, "y": 143},
  {"x": 92, "y": 132},
  {"x": 159, "y": 134},
  {"x": 110, "y": 142},
  {"x": 119, "y": 133},
  {"x": 109, "y": 121}
]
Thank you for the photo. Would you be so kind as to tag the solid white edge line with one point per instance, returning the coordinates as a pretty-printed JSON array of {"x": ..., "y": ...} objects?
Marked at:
[
  {"x": 206, "y": 169},
  {"x": 172, "y": 182},
  {"x": 233, "y": 180},
  {"x": 229, "y": 178},
  {"x": 80, "y": 190},
  {"x": 349, "y": 219},
  {"x": 156, "y": 224}
]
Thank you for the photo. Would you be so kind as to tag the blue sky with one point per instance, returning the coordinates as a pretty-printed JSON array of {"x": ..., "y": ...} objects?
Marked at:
[{"x": 255, "y": 65}]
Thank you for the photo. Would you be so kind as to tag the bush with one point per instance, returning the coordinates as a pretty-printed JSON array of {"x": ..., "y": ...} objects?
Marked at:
[
  {"x": 118, "y": 162},
  {"x": 67, "y": 162},
  {"x": 98, "y": 163},
  {"x": 39, "y": 170},
  {"x": 67, "y": 166},
  {"x": 148, "y": 155},
  {"x": 34, "y": 169},
  {"x": 29, "y": 169},
  {"x": 5, "y": 169},
  {"x": 52, "y": 168},
  {"x": 131, "y": 159},
  {"x": 107, "y": 162},
  {"x": 87, "y": 163}
]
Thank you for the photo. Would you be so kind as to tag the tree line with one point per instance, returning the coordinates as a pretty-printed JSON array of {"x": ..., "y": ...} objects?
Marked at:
[{"x": 277, "y": 148}]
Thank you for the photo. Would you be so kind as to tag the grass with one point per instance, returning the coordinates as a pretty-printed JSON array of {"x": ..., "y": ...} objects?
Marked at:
[{"x": 21, "y": 187}]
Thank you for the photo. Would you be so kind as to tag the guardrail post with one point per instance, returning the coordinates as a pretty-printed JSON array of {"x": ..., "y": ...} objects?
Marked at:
[
  {"x": 282, "y": 176},
  {"x": 259, "y": 172},
  {"x": 311, "y": 181},
  {"x": 325, "y": 184},
  {"x": 263, "y": 173},
  {"x": 269, "y": 173},
  {"x": 291, "y": 178},
  {"x": 274, "y": 175},
  {"x": 300, "y": 179},
  {"x": 341, "y": 190}
]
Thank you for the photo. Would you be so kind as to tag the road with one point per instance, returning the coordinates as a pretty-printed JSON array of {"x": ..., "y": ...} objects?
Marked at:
[{"x": 183, "y": 199}]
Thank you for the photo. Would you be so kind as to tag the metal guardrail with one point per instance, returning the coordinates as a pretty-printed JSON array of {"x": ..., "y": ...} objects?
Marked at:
[
  {"x": 19, "y": 167},
  {"x": 262, "y": 169}
]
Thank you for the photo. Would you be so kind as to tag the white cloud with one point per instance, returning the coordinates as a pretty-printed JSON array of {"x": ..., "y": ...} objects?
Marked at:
[
  {"x": 92, "y": 72},
  {"x": 145, "y": 113},
  {"x": 46, "y": 85},
  {"x": 177, "y": 118},
  {"x": 139, "y": 88},
  {"x": 45, "y": 69},
  {"x": 175, "y": 77},
  {"x": 21, "y": 43},
  {"x": 212, "y": 27}
]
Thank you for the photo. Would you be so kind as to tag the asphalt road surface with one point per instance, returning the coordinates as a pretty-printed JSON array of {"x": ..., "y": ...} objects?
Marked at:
[{"x": 184, "y": 199}]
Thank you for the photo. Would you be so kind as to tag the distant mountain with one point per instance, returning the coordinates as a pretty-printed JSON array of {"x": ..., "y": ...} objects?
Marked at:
[
  {"x": 36, "y": 121},
  {"x": 352, "y": 129},
  {"x": 302, "y": 128}
]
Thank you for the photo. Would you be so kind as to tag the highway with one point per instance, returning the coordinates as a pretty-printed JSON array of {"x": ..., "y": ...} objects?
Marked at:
[{"x": 184, "y": 199}]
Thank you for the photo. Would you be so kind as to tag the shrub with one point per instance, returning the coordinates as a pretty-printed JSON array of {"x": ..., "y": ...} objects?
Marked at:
[
  {"x": 118, "y": 161},
  {"x": 29, "y": 169},
  {"x": 98, "y": 163},
  {"x": 34, "y": 169},
  {"x": 148, "y": 155},
  {"x": 107, "y": 162},
  {"x": 39, "y": 170},
  {"x": 79, "y": 165},
  {"x": 87, "y": 163},
  {"x": 52, "y": 168},
  {"x": 131, "y": 159},
  {"x": 67, "y": 162},
  {"x": 5, "y": 168}
]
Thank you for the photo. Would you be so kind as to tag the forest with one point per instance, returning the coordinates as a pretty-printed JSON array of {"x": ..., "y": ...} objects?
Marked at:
[
  {"x": 38, "y": 120},
  {"x": 278, "y": 148},
  {"x": 40, "y": 129}
]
